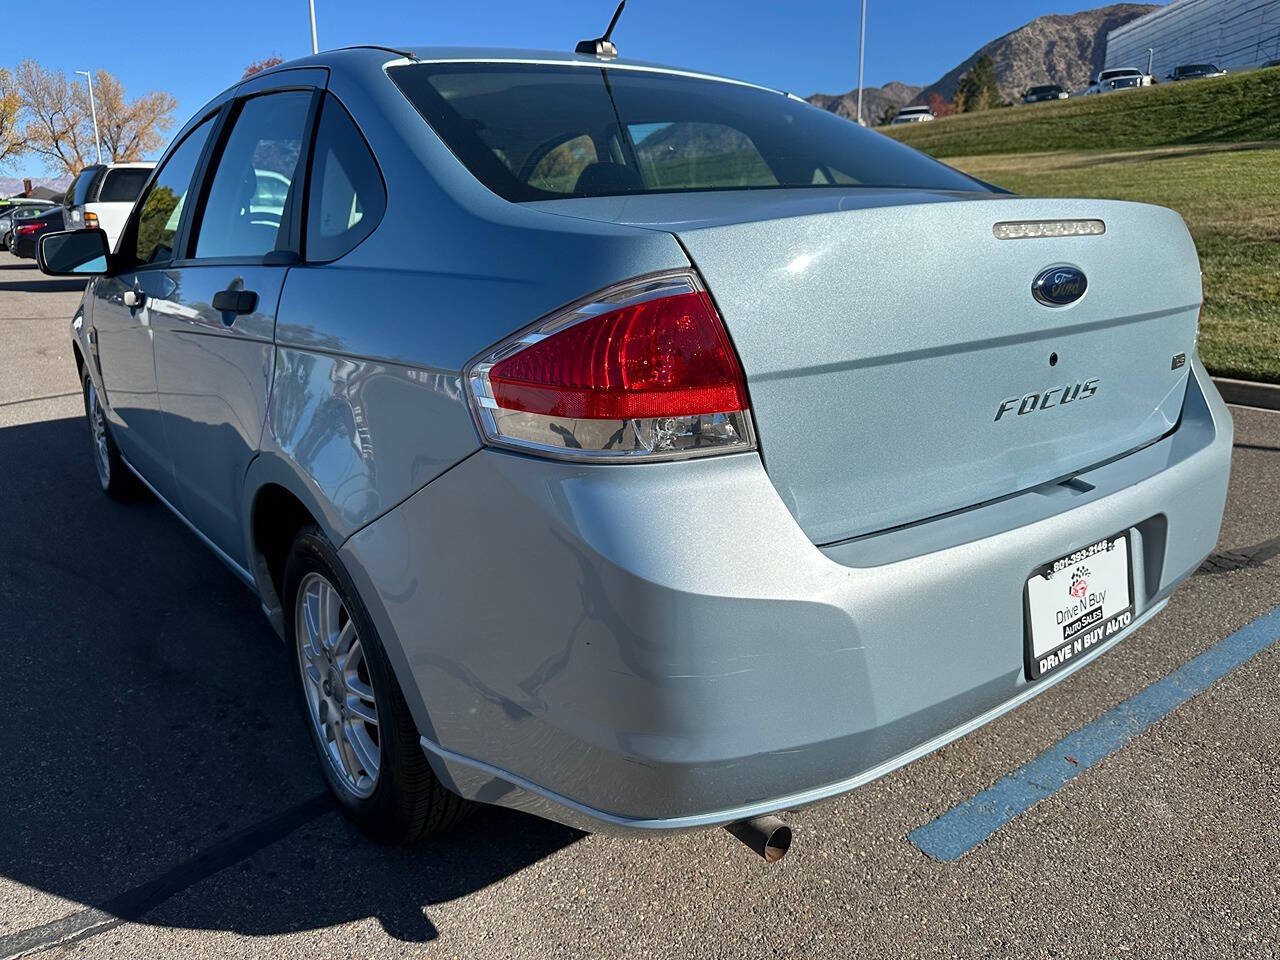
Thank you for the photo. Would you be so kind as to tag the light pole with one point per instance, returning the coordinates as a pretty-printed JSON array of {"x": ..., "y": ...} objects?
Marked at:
[
  {"x": 862, "y": 50},
  {"x": 315, "y": 47},
  {"x": 1151, "y": 56},
  {"x": 93, "y": 110}
]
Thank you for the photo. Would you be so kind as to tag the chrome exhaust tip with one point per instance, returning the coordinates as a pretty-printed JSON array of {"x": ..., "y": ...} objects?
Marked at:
[{"x": 767, "y": 836}]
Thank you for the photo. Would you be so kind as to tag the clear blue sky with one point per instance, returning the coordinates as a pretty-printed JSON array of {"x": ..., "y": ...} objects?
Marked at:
[{"x": 195, "y": 49}]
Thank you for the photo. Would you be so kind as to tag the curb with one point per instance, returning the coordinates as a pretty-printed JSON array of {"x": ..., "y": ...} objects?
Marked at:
[{"x": 1249, "y": 393}]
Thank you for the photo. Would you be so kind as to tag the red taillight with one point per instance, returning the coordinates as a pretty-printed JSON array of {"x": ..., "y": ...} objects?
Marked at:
[
  {"x": 667, "y": 357},
  {"x": 27, "y": 230},
  {"x": 642, "y": 370}
]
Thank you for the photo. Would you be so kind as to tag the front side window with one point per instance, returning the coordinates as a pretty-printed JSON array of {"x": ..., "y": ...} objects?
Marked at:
[
  {"x": 347, "y": 196},
  {"x": 241, "y": 217},
  {"x": 614, "y": 131},
  {"x": 159, "y": 212}
]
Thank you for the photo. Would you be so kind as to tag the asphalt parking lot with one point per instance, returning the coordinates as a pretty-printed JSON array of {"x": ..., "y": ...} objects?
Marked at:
[{"x": 161, "y": 799}]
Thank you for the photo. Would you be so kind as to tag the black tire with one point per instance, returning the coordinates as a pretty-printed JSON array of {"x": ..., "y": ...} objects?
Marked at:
[
  {"x": 408, "y": 802},
  {"x": 116, "y": 479}
]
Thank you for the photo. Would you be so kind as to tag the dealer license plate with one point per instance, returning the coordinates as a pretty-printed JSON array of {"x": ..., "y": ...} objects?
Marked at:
[{"x": 1077, "y": 602}]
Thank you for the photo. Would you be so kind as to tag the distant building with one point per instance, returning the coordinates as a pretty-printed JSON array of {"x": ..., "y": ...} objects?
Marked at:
[{"x": 1234, "y": 34}]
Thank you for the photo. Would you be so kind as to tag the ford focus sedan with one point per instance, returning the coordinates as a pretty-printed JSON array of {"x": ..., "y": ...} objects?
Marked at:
[{"x": 639, "y": 448}]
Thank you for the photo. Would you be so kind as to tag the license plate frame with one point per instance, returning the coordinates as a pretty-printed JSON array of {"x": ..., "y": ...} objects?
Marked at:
[{"x": 1094, "y": 623}]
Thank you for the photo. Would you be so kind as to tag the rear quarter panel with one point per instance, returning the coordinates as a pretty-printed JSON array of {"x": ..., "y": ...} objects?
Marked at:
[{"x": 367, "y": 401}]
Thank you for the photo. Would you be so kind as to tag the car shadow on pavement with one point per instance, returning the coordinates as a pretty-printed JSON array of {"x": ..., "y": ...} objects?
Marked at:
[{"x": 152, "y": 731}]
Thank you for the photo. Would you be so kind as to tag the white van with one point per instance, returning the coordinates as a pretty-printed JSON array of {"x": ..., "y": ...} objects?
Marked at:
[{"x": 103, "y": 195}]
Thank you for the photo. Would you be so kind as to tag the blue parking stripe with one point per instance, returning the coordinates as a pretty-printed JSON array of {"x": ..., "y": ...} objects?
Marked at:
[{"x": 970, "y": 823}]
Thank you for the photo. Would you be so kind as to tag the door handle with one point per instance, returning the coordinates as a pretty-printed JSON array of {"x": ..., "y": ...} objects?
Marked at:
[
  {"x": 235, "y": 302},
  {"x": 134, "y": 299}
]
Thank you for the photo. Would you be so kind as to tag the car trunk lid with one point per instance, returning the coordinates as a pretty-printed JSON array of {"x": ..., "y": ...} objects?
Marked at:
[{"x": 898, "y": 364}]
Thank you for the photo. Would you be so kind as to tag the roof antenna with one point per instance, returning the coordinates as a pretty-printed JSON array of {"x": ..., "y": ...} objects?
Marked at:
[{"x": 603, "y": 47}]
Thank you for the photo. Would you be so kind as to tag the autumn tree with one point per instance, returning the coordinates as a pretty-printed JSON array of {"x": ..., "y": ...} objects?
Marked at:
[
  {"x": 12, "y": 142},
  {"x": 260, "y": 65},
  {"x": 57, "y": 122},
  {"x": 940, "y": 107},
  {"x": 977, "y": 89},
  {"x": 130, "y": 129},
  {"x": 54, "y": 124}
]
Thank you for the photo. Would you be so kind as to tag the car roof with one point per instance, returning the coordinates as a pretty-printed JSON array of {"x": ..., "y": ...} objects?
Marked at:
[{"x": 418, "y": 54}]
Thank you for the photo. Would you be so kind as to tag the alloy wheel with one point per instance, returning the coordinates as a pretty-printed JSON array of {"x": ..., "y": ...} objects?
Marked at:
[
  {"x": 98, "y": 431},
  {"x": 337, "y": 686}
]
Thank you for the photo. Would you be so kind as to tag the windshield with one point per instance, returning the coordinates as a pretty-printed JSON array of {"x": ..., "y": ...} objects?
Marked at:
[
  {"x": 538, "y": 132},
  {"x": 1035, "y": 90}
]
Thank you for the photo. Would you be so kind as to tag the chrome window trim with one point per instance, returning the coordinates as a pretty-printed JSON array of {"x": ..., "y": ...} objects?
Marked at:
[{"x": 589, "y": 64}]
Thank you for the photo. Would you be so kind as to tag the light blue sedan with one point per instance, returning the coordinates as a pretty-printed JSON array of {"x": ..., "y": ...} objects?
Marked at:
[{"x": 643, "y": 449}]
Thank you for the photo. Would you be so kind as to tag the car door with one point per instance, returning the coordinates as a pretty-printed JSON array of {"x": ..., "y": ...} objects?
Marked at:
[
  {"x": 214, "y": 332},
  {"x": 122, "y": 309}
]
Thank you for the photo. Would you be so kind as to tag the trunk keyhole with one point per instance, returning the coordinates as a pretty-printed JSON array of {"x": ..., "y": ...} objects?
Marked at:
[{"x": 1053, "y": 359}]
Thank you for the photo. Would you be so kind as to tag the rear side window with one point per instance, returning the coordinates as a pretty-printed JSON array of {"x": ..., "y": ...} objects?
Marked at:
[
  {"x": 537, "y": 132},
  {"x": 347, "y": 195},
  {"x": 245, "y": 207},
  {"x": 123, "y": 184},
  {"x": 159, "y": 212},
  {"x": 78, "y": 192}
]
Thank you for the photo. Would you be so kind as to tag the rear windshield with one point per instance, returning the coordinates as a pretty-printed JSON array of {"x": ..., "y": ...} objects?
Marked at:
[
  {"x": 1034, "y": 90},
  {"x": 536, "y": 132},
  {"x": 123, "y": 185}
]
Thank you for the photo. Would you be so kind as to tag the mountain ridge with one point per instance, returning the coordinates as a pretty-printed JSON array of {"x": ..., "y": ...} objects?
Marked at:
[{"x": 1055, "y": 48}]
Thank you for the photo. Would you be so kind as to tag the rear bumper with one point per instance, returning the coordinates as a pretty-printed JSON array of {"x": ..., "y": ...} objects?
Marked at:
[{"x": 660, "y": 647}]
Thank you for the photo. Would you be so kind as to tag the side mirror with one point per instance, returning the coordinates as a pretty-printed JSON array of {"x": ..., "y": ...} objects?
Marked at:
[{"x": 73, "y": 253}]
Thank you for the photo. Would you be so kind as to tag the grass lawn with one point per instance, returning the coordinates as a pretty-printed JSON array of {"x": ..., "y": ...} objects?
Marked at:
[
  {"x": 1232, "y": 109},
  {"x": 1230, "y": 198}
]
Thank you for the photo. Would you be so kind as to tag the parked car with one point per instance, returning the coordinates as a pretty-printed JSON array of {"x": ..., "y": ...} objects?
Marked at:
[
  {"x": 14, "y": 203},
  {"x": 913, "y": 115},
  {"x": 1049, "y": 91},
  {"x": 103, "y": 195},
  {"x": 1120, "y": 83},
  {"x": 1104, "y": 81},
  {"x": 16, "y": 214},
  {"x": 1196, "y": 71},
  {"x": 480, "y": 423},
  {"x": 26, "y": 232}
]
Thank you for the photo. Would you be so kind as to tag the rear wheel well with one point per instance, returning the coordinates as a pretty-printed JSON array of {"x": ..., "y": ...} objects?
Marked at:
[{"x": 277, "y": 517}]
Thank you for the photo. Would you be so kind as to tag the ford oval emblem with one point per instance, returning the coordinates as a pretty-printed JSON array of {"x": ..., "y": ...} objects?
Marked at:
[{"x": 1060, "y": 285}]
